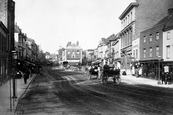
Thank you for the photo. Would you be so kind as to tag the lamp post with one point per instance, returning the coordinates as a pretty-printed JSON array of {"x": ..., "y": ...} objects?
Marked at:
[
  {"x": 159, "y": 82},
  {"x": 14, "y": 53}
]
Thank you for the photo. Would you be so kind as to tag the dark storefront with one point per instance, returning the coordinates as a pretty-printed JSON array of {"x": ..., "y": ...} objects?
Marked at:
[{"x": 150, "y": 69}]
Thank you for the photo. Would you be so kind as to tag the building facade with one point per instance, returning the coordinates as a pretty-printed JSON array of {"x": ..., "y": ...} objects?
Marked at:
[
  {"x": 7, "y": 9},
  {"x": 168, "y": 44},
  {"x": 101, "y": 50},
  {"x": 115, "y": 44},
  {"x": 72, "y": 54},
  {"x": 3, "y": 53},
  {"x": 151, "y": 50},
  {"x": 90, "y": 56},
  {"x": 137, "y": 17},
  {"x": 154, "y": 47}
]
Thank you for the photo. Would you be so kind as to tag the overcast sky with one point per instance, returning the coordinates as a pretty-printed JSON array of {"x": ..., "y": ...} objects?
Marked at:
[{"x": 53, "y": 23}]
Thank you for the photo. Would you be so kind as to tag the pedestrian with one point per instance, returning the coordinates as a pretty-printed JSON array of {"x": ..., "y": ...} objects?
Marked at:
[
  {"x": 105, "y": 70},
  {"x": 98, "y": 69},
  {"x": 106, "y": 67},
  {"x": 26, "y": 75},
  {"x": 25, "y": 78},
  {"x": 32, "y": 71},
  {"x": 163, "y": 77},
  {"x": 171, "y": 76}
]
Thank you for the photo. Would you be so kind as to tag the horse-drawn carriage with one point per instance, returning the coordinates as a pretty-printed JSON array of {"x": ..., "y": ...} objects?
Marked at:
[
  {"x": 111, "y": 72},
  {"x": 104, "y": 74},
  {"x": 92, "y": 71}
]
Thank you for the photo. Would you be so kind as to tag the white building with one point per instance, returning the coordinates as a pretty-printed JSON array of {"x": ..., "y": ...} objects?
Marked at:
[
  {"x": 168, "y": 44},
  {"x": 101, "y": 49}
]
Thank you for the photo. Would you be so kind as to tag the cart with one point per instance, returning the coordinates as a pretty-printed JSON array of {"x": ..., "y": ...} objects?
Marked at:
[
  {"x": 93, "y": 71},
  {"x": 111, "y": 72}
]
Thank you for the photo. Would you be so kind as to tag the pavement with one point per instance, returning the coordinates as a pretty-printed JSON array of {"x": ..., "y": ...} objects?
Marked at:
[
  {"x": 144, "y": 81},
  {"x": 7, "y": 103}
]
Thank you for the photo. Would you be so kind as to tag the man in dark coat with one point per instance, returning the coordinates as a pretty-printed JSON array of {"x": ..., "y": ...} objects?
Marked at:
[{"x": 26, "y": 75}]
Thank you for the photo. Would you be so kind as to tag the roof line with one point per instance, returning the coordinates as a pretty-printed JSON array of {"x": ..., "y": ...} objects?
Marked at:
[{"x": 131, "y": 5}]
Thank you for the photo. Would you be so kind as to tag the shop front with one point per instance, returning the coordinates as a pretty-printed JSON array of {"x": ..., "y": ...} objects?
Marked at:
[{"x": 150, "y": 69}]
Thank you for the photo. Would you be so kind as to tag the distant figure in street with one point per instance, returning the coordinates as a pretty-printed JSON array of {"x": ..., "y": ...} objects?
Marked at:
[
  {"x": 105, "y": 70},
  {"x": 99, "y": 71},
  {"x": 163, "y": 77},
  {"x": 26, "y": 75}
]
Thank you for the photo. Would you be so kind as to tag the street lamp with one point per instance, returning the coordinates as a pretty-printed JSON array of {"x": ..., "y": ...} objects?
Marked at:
[
  {"x": 159, "y": 82},
  {"x": 14, "y": 53}
]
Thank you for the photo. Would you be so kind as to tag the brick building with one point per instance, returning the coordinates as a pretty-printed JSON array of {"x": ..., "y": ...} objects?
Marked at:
[
  {"x": 72, "y": 54},
  {"x": 152, "y": 46},
  {"x": 137, "y": 17},
  {"x": 3, "y": 52},
  {"x": 7, "y": 15}
]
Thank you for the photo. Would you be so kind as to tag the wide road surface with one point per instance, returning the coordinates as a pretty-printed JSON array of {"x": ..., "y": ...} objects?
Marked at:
[{"x": 59, "y": 92}]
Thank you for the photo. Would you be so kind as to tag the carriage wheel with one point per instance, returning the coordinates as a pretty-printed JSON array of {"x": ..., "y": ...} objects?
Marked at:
[
  {"x": 118, "y": 79},
  {"x": 86, "y": 73},
  {"x": 89, "y": 75},
  {"x": 102, "y": 77},
  {"x": 114, "y": 79},
  {"x": 105, "y": 78}
]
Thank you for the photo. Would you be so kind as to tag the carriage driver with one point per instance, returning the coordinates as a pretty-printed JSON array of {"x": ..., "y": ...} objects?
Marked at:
[{"x": 106, "y": 67}]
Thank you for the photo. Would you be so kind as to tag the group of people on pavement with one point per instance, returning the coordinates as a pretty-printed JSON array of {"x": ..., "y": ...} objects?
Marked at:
[
  {"x": 26, "y": 73},
  {"x": 167, "y": 77}
]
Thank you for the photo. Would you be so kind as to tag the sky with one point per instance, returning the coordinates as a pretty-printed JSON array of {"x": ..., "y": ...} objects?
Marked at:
[{"x": 54, "y": 23}]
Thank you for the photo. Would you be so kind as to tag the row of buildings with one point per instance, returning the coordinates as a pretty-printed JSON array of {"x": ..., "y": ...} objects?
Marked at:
[
  {"x": 29, "y": 53},
  {"x": 16, "y": 50},
  {"x": 145, "y": 41}
]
